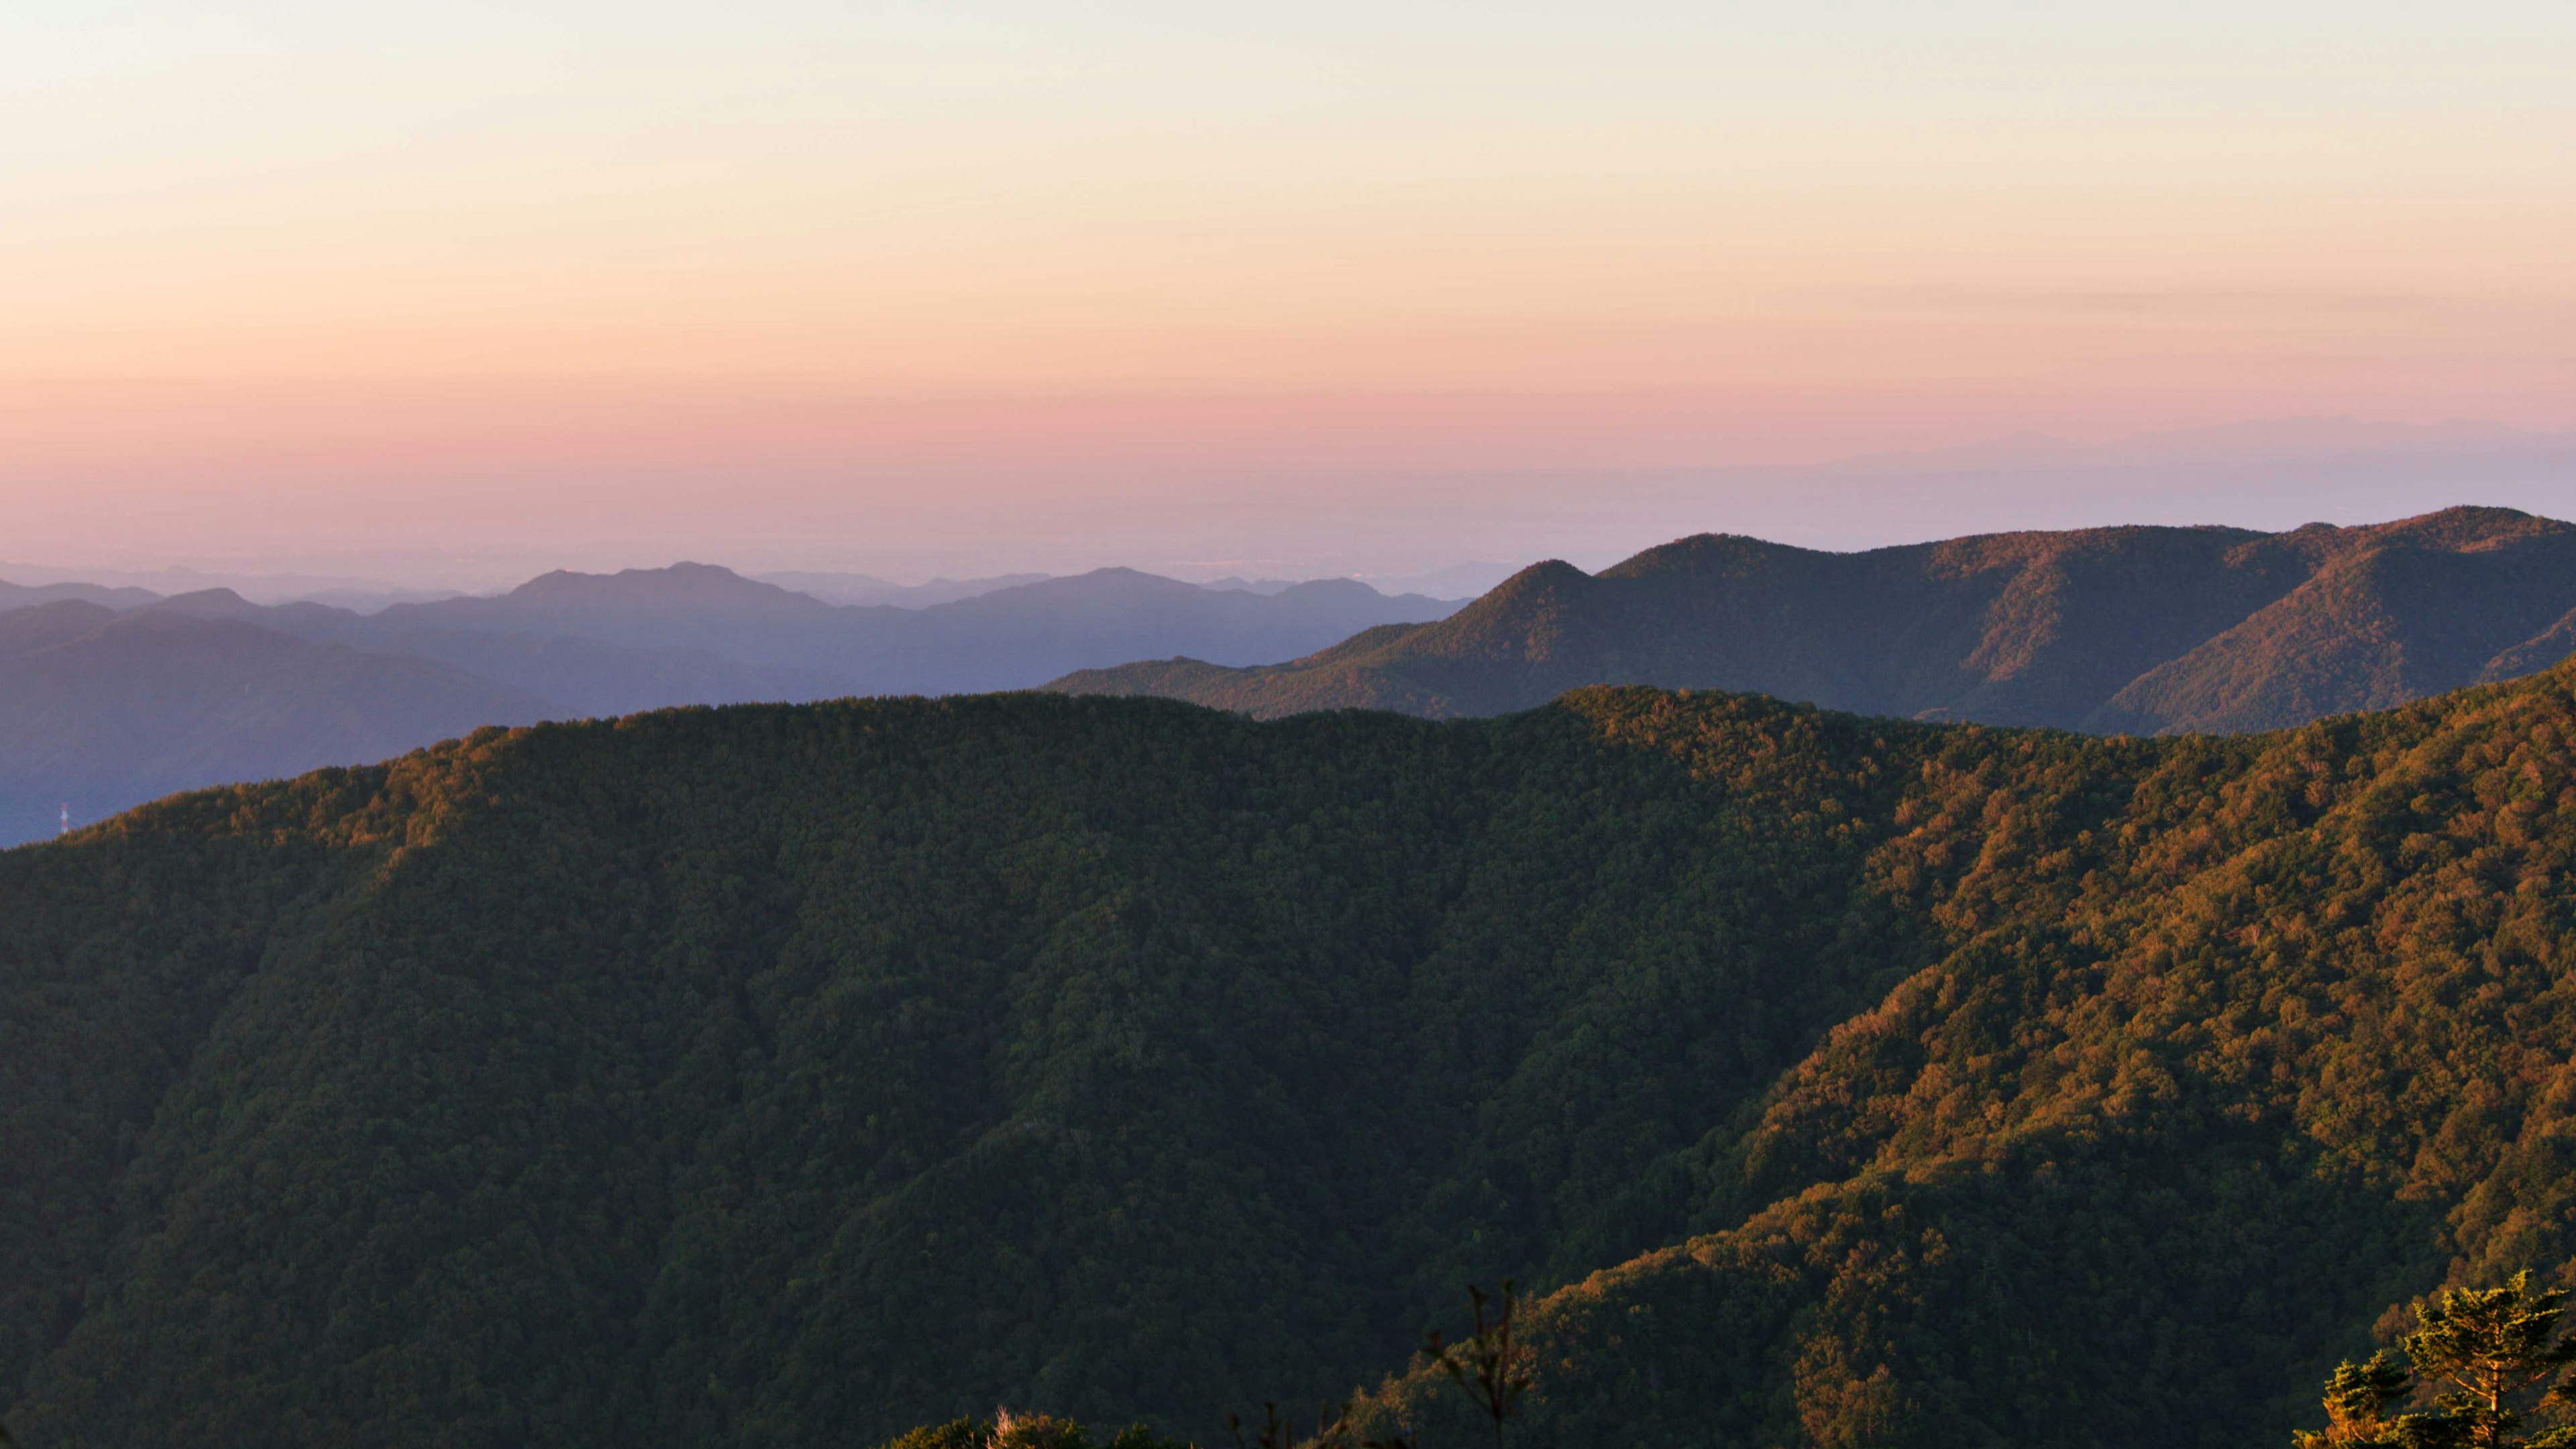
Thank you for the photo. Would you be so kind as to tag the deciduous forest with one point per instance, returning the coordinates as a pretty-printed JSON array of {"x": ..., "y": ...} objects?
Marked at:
[{"x": 813, "y": 1075}]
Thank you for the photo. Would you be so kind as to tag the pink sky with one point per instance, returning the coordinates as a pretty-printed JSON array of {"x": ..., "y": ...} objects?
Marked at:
[{"x": 820, "y": 287}]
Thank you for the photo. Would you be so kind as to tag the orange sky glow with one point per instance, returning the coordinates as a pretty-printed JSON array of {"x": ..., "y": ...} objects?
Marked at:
[{"x": 829, "y": 285}]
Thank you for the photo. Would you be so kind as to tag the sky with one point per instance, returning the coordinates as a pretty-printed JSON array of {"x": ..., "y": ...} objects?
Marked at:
[{"x": 416, "y": 291}]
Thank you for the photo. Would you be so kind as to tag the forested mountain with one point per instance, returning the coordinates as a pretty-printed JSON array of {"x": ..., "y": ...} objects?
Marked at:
[
  {"x": 795, "y": 1075},
  {"x": 564, "y": 646},
  {"x": 2137, "y": 630}
]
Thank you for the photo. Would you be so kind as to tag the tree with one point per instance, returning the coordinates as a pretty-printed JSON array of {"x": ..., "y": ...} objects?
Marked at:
[
  {"x": 1488, "y": 1366},
  {"x": 2489, "y": 1350},
  {"x": 2494, "y": 1347},
  {"x": 2358, "y": 1398},
  {"x": 1024, "y": 1431}
]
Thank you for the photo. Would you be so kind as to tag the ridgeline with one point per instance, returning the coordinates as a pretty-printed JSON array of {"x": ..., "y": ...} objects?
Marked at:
[
  {"x": 799, "y": 1075},
  {"x": 2108, "y": 630}
]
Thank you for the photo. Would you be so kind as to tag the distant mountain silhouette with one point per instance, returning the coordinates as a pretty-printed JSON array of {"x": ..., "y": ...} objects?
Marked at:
[
  {"x": 2135, "y": 630},
  {"x": 1009, "y": 638},
  {"x": 834, "y": 588},
  {"x": 100, "y": 710},
  {"x": 576, "y": 676},
  {"x": 105, "y": 710},
  {"x": 650, "y": 607},
  {"x": 21, "y": 596},
  {"x": 597, "y": 644}
]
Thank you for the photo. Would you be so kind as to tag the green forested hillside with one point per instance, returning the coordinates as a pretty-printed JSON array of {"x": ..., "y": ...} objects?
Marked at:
[
  {"x": 799, "y": 1075},
  {"x": 2110, "y": 630}
]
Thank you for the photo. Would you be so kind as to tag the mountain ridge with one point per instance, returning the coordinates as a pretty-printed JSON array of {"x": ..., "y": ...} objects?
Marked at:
[
  {"x": 568, "y": 645},
  {"x": 103, "y": 709},
  {"x": 20, "y": 596},
  {"x": 790, "y": 1075},
  {"x": 2114, "y": 630}
]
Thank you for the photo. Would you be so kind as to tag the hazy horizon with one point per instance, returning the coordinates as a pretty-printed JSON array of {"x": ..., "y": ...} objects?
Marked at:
[
  {"x": 1397, "y": 532},
  {"x": 442, "y": 297}
]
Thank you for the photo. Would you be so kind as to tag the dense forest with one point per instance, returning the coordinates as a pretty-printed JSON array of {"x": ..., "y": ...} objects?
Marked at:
[
  {"x": 812, "y": 1075},
  {"x": 2109, "y": 630}
]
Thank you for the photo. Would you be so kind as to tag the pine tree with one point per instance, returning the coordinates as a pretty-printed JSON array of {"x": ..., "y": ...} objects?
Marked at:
[
  {"x": 2489, "y": 1351},
  {"x": 2494, "y": 1347},
  {"x": 2358, "y": 1399}
]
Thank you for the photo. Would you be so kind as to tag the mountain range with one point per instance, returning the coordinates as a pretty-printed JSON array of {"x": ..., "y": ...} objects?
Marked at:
[
  {"x": 844, "y": 588},
  {"x": 794, "y": 1075},
  {"x": 102, "y": 709},
  {"x": 20, "y": 596},
  {"x": 2112, "y": 630},
  {"x": 2128, "y": 630}
]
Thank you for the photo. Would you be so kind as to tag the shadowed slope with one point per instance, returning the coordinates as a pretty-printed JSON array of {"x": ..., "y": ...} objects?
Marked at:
[
  {"x": 878, "y": 1060},
  {"x": 794, "y": 1075},
  {"x": 2207, "y": 1083},
  {"x": 2395, "y": 613},
  {"x": 2132, "y": 629}
]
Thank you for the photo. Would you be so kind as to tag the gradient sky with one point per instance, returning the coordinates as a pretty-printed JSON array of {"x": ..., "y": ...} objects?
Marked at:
[{"x": 1006, "y": 285}]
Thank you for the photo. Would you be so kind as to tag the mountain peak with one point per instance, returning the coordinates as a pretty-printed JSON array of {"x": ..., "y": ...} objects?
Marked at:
[
  {"x": 1542, "y": 577},
  {"x": 2139, "y": 628},
  {"x": 1714, "y": 554},
  {"x": 2464, "y": 527},
  {"x": 216, "y": 603},
  {"x": 41, "y": 626},
  {"x": 675, "y": 586},
  {"x": 671, "y": 579}
]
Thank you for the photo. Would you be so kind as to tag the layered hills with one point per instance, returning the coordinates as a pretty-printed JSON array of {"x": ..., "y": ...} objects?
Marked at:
[
  {"x": 2116, "y": 630},
  {"x": 21, "y": 596},
  {"x": 786, "y": 645},
  {"x": 795, "y": 1075},
  {"x": 99, "y": 710},
  {"x": 215, "y": 688},
  {"x": 844, "y": 588},
  {"x": 2137, "y": 630}
]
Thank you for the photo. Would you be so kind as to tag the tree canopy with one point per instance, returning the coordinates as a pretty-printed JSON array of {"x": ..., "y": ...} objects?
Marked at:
[{"x": 802, "y": 1075}]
